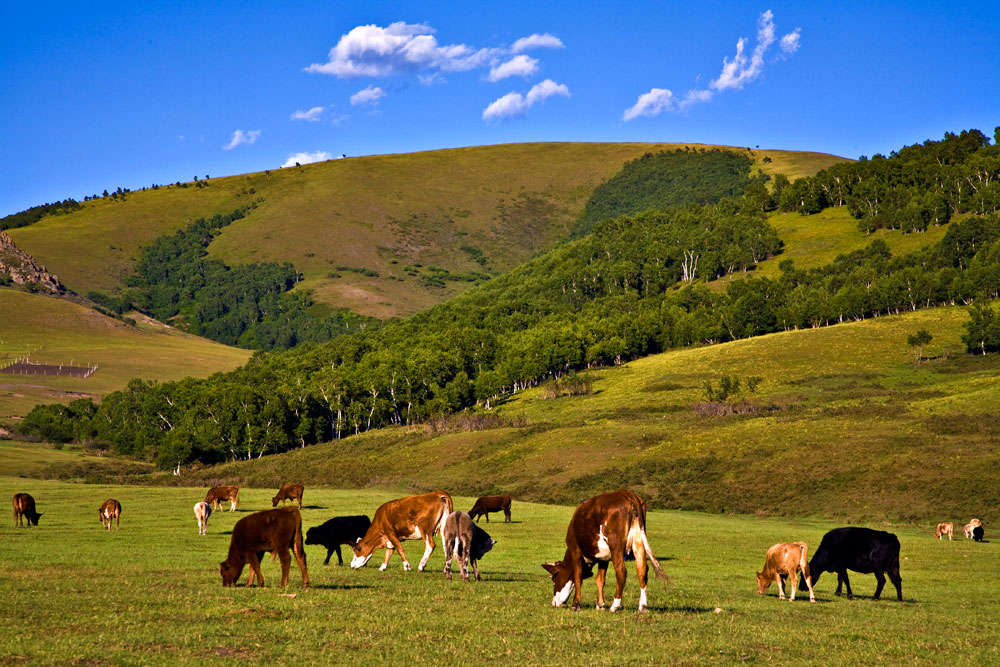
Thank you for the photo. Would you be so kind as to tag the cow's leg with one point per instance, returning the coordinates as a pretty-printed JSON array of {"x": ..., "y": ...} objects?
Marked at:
[
  {"x": 255, "y": 570},
  {"x": 300, "y": 559},
  {"x": 475, "y": 568},
  {"x": 428, "y": 550},
  {"x": 506, "y": 515},
  {"x": 840, "y": 584},
  {"x": 880, "y": 578},
  {"x": 577, "y": 583},
  {"x": 286, "y": 563},
  {"x": 618, "y": 560},
  {"x": 808, "y": 577},
  {"x": 397, "y": 546},
  {"x": 847, "y": 584},
  {"x": 487, "y": 516},
  {"x": 897, "y": 581},
  {"x": 329, "y": 553},
  {"x": 599, "y": 579},
  {"x": 641, "y": 571},
  {"x": 463, "y": 558},
  {"x": 793, "y": 582},
  {"x": 781, "y": 588}
]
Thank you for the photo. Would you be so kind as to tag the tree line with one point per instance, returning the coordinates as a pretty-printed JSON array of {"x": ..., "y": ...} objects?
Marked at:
[{"x": 32, "y": 215}]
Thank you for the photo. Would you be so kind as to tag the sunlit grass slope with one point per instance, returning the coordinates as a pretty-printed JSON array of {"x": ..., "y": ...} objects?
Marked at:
[
  {"x": 396, "y": 215},
  {"x": 848, "y": 426},
  {"x": 152, "y": 593},
  {"x": 58, "y": 331}
]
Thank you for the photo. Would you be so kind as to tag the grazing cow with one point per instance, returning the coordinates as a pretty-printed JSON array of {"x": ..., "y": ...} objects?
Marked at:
[
  {"x": 24, "y": 506},
  {"x": 410, "y": 518},
  {"x": 338, "y": 530},
  {"x": 288, "y": 492},
  {"x": 783, "y": 559},
  {"x": 465, "y": 541},
  {"x": 977, "y": 533},
  {"x": 944, "y": 528},
  {"x": 219, "y": 494},
  {"x": 862, "y": 550},
  {"x": 274, "y": 530},
  {"x": 110, "y": 509},
  {"x": 202, "y": 511},
  {"x": 604, "y": 528},
  {"x": 971, "y": 526},
  {"x": 487, "y": 504}
]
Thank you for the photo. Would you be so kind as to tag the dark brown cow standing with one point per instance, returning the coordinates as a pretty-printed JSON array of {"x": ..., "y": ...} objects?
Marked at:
[
  {"x": 110, "y": 509},
  {"x": 274, "y": 530},
  {"x": 218, "y": 494},
  {"x": 487, "y": 504},
  {"x": 410, "y": 518},
  {"x": 24, "y": 506},
  {"x": 291, "y": 492},
  {"x": 604, "y": 529}
]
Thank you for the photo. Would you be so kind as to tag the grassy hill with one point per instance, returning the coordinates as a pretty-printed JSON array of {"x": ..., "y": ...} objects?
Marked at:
[
  {"x": 847, "y": 425},
  {"x": 58, "y": 331},
  {"x": 395, "y": 215}
]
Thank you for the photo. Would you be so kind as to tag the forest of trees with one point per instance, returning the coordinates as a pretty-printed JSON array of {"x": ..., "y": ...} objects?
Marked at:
[
  {"x": 36, "y": 213},
  {"x": 636, "y": 285}
]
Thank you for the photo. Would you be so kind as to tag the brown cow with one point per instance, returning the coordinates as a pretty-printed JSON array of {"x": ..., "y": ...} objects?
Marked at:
[
  {"x": 971, "y": 526},
  {"x": 410, "y": 518},
  {"x": 110, "y": 509},
  {"x": 274, "y": 530},
  {"x": 487, "y": 504},
  {"x": 218, "y": 494},
  {"x": 604, "y": 528},
  {"x": 24, "y": 506},
  {"x": 785, "y": 559},
  {"x": 288, "y": 492},
  {"x": 944, "y": 528}
]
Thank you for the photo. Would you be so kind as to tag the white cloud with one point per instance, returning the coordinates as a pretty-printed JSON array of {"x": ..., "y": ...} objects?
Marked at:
[
  {"x": 313, "y": 115},
  {"x": 653, "y": 103},
  {"x": 370, "y": 95},
  {"x": 536, "y": 41},
  {"x": 515, "y": 104},
  {"x": 241, "y": 138},
  {"x": 521, "y": 65},
  {"x": 431, "y": 79},
  {"x": 790, "y": 42},
  {"x": 399, "y": 48},
  {"x": 306, "y": 158}
]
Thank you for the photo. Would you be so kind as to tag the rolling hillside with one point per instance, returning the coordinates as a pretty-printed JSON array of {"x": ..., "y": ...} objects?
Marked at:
[
  {"x": 57, "y": 331},
  {"x": 469, "y": 209}
]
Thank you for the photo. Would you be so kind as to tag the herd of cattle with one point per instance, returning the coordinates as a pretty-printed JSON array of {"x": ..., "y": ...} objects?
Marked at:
[{"x": 608, "y": 529}]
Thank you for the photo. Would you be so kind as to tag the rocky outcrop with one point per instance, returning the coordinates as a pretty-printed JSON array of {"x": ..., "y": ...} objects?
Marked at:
[{"x": 22, "y": 269}]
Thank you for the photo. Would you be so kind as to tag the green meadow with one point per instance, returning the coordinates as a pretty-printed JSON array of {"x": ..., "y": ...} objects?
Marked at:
[{"x": 151, "y": 593}]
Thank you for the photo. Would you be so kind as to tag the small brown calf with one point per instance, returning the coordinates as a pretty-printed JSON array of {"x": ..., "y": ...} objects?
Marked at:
[
  {"x": 110, "y": 509},
  {"x": 291, "y": 492},
  {"x": 944, "y": 528},
  {"x": 785, "y": 559},
  {"x": 219, "y": 494}
]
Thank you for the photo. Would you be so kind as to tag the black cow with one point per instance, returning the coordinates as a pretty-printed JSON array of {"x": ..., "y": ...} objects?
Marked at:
[
  {"x": 977, "y": 533},
  {"x": 862, "y": 550},
  {"x": 337, "y": 531}
]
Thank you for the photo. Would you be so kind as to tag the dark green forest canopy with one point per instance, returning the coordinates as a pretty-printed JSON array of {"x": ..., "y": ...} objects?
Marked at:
[
  {"x": 666, "y": 179},
  {"x": 36, "y": 213}
]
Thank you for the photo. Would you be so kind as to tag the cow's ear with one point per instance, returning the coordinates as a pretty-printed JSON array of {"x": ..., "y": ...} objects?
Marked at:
[{"x": 551, "y": 568}]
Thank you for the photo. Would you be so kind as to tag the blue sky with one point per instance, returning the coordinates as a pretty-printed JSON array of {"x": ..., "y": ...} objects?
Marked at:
[{"x": 96, "y": 96}]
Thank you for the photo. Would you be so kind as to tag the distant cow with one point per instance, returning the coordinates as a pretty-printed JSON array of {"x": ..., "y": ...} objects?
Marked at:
[
  {"x": 785, "y": 559},
  {"x": 288, "y": 492},
  {"x": 971, "y": 526},
  {"x": 24, "y": 506},
  {"x": 944, "y": 528},
  {"x": 338, "y": 530},
  {"x": 274, "y": 530},
  {"x": 862, "y": 550},
  {"x": 487, "y": 504},
  {"x": 410, "y": 518},
  {"x": 219, "y": 494},
  {"x": 202, "y": 511},
  {"x": 465, "y": 541},
  {"x": 977, "y": 533},
  {"x": 604, "y": 528},
  {"x": 110, "y": 509}
]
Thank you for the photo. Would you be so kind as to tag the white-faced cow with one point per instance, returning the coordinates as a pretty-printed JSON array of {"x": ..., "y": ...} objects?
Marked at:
[
  {"x": 410, "y": 518},
  {"x": 605, "y": 528},
  {"x": 110, "y": 510},
  {"x": 291, "y": 492},
  {"x": 466, "y": 542},
  {"x": 486, "y": 504},
  {"x": 862, "y": 550},
  {"x": 785, "y": 560},
  {"x": 219, "y": 494},
  {"x": 944, "y": 528},
  {"x": 202, "y": 511},
  {"x": 24, "y": 508},
  {"x": 277, "y": 531}
]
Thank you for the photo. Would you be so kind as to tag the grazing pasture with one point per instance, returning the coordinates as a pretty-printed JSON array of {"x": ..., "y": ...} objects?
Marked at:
[{"x": 163, "y": 601}]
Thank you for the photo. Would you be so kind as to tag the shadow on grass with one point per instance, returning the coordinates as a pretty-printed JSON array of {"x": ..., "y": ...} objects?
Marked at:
[{"x": 338, "y": 587}]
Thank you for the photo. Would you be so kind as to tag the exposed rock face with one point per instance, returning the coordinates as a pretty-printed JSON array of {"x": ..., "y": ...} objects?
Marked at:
[{"x": 22, "y": 267}]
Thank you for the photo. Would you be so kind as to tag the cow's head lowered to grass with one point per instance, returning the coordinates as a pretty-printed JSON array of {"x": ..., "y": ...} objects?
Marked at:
[{"x": 562, "y": 580}]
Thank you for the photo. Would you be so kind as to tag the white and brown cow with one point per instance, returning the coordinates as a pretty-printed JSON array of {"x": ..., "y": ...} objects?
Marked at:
[
  {"x": 785, "y": 559},
  {"x": 944, "y": 528},
  {"x": 219, "y": 494},
  {"x": 410, "y": 518},
  {"x": 971, "y": 526},
  {"x": 202, "y": 511},
  {"x": 110, "y": 510},
  {"x": 605, "y": 528}
]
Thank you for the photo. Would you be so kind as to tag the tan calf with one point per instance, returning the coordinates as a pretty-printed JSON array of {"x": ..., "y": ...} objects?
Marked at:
[
  {"x": 110, "y": 509},
  {"x": 787, "y": 558},
  {"x": 944, "y": 528},
  {"x": 971, "y": 526}
]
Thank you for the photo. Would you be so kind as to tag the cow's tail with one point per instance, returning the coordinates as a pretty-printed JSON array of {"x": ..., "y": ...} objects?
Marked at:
[
  {"x": 652, "y": 558},
  {"x": 446, "y": 509},
  {"x": 297, "y": 546}
]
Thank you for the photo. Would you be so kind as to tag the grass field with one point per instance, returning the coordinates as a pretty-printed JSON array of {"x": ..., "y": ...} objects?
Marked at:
[
  {"x": 848, "y": 426},
  {"x": 58, "y": 331},
  {"x": 152, "y": 594},
  {"x": 381, "y": 213}
]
